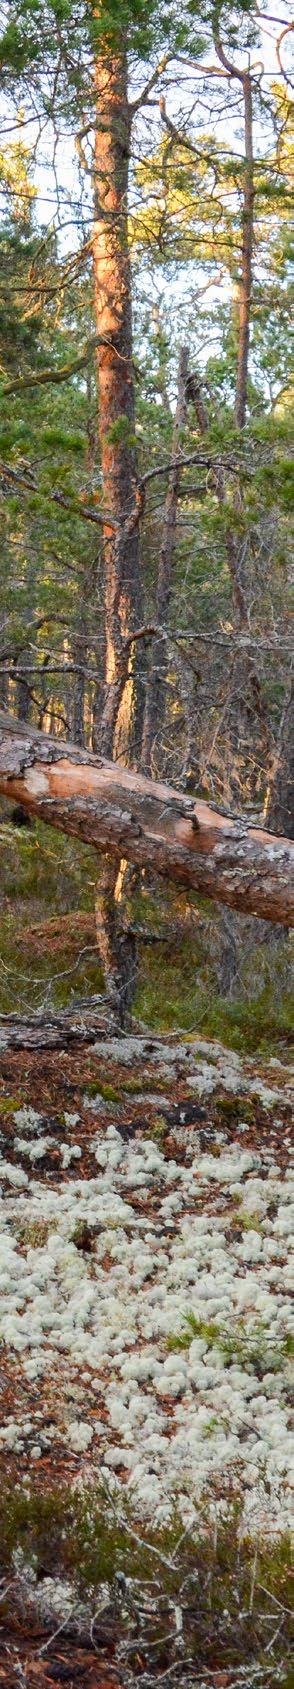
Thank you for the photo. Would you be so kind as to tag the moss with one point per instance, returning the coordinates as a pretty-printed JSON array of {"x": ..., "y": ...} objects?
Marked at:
[
  {"x": 93, "y": 1089},
  {"x": 237, "y": 1108},
  {"x": 228, "y": 1107},
  {"x": 288, "y": 1345},
  {"x": 136, "y": 1087},
  {"x": 248, "y": 1110},
  {"x": 158, "y": 1128},
  {"x": 9, "y": 1105},
  {"x": 109, "y": 1093},
  {"x": 250, "y": 1222},
  {"x": 104, "y": 1089},
  {"x": 211, "y": 1425}
]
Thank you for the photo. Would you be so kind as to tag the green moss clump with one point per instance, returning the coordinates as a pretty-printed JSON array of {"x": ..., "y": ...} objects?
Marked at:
[
  {"x": 108, "y": 1092},
  {"x": 158, "y": 1128},
  {"x": 9, "y": 1105},
  {"x": 134, "y": 1087},
  {"x": 288, "y": 1345},
  {"x": 250, "y": 1222},
  {"x": 237, "y": 1108},
  {"x": 228, "y": 1107}
]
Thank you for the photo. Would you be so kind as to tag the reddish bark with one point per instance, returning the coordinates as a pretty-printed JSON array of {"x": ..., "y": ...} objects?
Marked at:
[
  {"x": 147, "y": 823},
  {"x": 115, "y": 391}
]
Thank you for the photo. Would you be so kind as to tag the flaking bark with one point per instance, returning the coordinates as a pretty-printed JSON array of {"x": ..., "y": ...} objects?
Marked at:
[
  {"x": 148, "y": 824},
  {"x": 115, "y": 375}
]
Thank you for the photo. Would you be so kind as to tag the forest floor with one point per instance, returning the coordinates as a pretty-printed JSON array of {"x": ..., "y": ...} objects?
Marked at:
[{"x": 146, "y": 1352}]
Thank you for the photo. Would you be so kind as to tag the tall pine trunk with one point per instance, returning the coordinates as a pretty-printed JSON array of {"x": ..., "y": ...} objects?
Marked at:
[{"x": 119, "y": 728}]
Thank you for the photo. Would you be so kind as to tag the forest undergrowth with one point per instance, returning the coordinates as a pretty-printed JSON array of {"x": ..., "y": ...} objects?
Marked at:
[{"x": 49, "y": 953}]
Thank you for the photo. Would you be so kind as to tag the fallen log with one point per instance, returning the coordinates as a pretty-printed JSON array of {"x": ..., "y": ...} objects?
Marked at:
[
  {"x": 60, "y": 1030},
  {"x": 147, "y": 823}
]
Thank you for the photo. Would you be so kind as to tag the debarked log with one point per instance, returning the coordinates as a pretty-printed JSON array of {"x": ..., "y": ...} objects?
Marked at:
[{"x": 148, "y": 823}]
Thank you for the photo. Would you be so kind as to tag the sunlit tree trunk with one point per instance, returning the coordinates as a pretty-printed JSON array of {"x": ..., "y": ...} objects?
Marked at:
[{"x": 118, "y": 730}]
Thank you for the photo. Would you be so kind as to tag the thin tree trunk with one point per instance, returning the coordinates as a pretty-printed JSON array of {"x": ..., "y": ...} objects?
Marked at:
[
  {"x": 238, "y": 595},
  {"x": 245, "y": 284},
  {"x": 252, "y": 681},
  {"x": 228, "y": 959},
  {"x": 146, "y": 823},
  {"x": 4, "y": 689},
  {"x": 116, "y": 941},
  {"x": 23, "y": 704},
  {"x": 156, "y": 685},
  {"x": 78, "y": 703},
  {"x": 79, "y": 656},
  {"x": 245, "y": 288},
  {"x": 249, "y": 687},
  {"x": 23, "y": 699}
]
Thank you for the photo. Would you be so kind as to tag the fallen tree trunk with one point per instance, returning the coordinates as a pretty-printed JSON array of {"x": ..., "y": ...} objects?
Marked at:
[
  {"x": 149, "y": 824},
  {"x": 62, "y": 1030}
]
